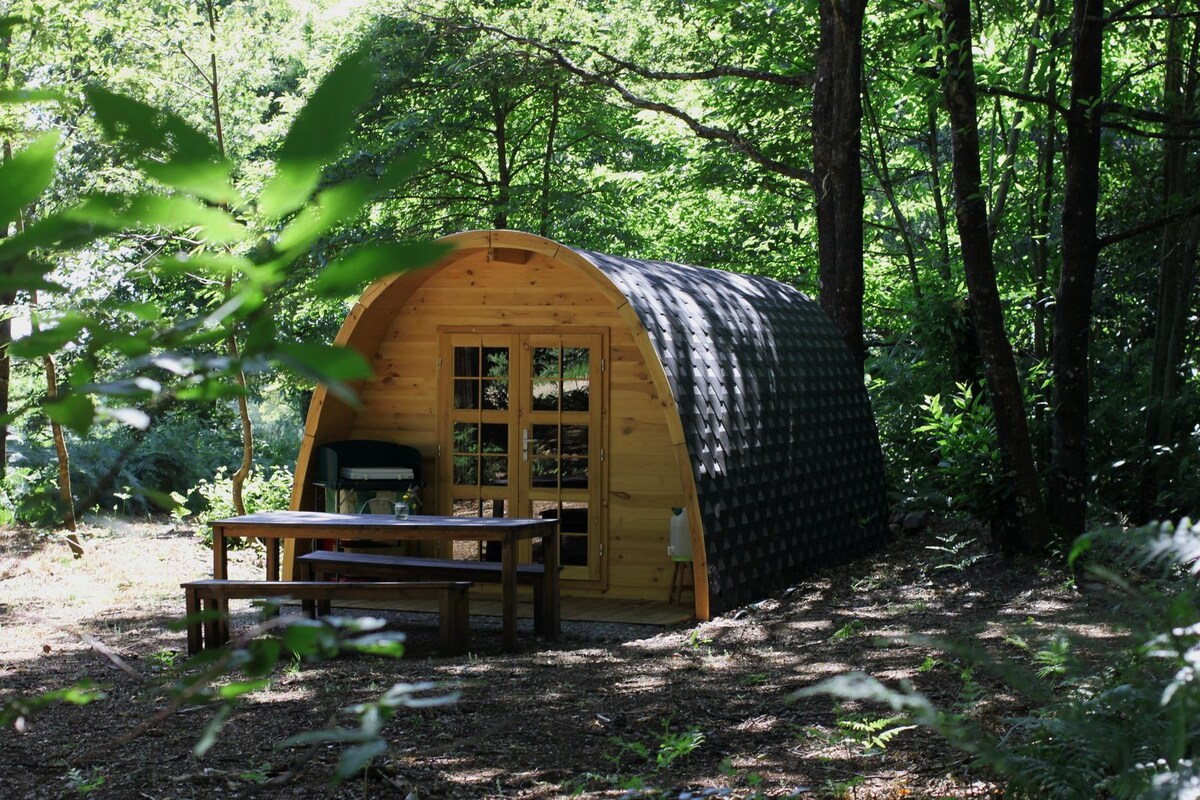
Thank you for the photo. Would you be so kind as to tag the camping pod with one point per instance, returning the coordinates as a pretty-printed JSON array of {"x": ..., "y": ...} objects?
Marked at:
[{"x": 539, "y": 380}]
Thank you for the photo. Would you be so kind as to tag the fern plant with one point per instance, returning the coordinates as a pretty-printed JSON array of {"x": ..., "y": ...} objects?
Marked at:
[{"x": 1128, "y": 728}]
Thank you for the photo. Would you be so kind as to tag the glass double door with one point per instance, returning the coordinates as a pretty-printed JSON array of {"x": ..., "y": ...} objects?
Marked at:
[{"x": 522, "y": 435}]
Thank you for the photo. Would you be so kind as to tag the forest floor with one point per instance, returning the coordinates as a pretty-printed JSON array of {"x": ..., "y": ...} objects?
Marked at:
[{"x": 705, "y": 709}]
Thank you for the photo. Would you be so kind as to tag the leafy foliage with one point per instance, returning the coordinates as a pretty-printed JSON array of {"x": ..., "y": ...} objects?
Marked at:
[{"x": 1122, "y": 727}]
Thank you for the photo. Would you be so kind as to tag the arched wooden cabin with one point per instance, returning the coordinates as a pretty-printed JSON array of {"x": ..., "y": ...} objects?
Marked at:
[{"x": 538, "y": 379}]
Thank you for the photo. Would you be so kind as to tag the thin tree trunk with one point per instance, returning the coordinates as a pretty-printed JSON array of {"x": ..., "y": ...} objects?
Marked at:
[
  {"x": 65, "y": 494},
  {"x": 1042, "y": 272},
  {"x": 935, "y": 182},
  {"x": 548, "y": 160},
  {"x": 503, "y": 194},
  {"x": 1073, "y": 305},
  {"x": 837, "y": 148},
  {"x": 1177, "y": 262},
  {"x": 6, "y": 310},
  {"x": 1023, "y": 522},
  {"x": 1009, "y": 168},
  {"x": 883, "y": 176},
  {"x": 238, "y": 480}
]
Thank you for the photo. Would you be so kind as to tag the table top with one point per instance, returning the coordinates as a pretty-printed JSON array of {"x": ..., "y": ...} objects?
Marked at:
[{"x": 471, "y": 526}]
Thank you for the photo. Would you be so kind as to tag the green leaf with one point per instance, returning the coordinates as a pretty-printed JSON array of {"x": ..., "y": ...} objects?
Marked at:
[
  {"x": 172, "y": 213},
  {"x": 308, "y": 638},
  {"x": 26, "y": 176},
  {"x": 317, "y": 135},
  {"x": 355, "y": 759},
  {"x": 75, "y": 411},
  {"x": 41, "y": 343},
  {"x": 370, "y": 262},
  {"x": 58, "y": 231},
  {"x": 209, "y": 737},
  {"x": 264, "y": 655},
  {"x": 326, "y": 736},
  {"x": 164, "y": 145},
  {"x": 231, "y": 691},
  {"x": 325, "y": 362},
  {"x": 334, "y": 206},
  {"x": 23, "y": 274},
  {"x": 390, "y": 645}
]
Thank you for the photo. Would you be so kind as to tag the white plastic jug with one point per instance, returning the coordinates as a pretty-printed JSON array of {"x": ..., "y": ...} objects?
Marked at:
[{"x": 680, "y": 547}]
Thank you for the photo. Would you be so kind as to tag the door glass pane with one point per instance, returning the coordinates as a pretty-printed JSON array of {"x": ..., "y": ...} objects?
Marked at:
[
  {"x": 466, "y": 362},
  {"x": 495, "y": 362},
  {"x": 544, "y": 440},
  {"x": 545, "y": 472},
  {"x": 545, "y": 363},
  {"x": 495, "y": 470},
  {"x": 466, "y": 471},
  {"x": 545, "y": 395},
  {"x": 575, "y": 440},
  {"x": 495, "y": 438},
  {"x": 466, "y": 393},
  {"x": 575, "y": 395},
  {"x": 574, "y": 473},
  {"x": 495, "y": 395},
  {"x": 573, "y": 550},
  {"x": 576, "y": 369},
  {"x": 466, "y": 437}
]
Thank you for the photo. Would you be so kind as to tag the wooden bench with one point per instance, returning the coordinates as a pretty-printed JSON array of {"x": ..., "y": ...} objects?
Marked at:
[
  {"x": 321, "y": 564},
  {"x": 454, "y": 633}
]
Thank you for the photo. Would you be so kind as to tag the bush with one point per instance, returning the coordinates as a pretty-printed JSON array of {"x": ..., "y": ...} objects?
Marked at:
[
  {"x": 262, "y": 491},
  {"x": 963, "y": 434}
]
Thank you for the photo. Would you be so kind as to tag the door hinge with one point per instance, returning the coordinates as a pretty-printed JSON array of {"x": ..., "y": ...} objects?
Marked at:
[
  {"x": 601, "y": 551},
  {"x": 603, "y": 365},
  {"x": 439, "y": 366},
  {"x": 439, "y": 451},
  {"x": 602, "y": 454}
]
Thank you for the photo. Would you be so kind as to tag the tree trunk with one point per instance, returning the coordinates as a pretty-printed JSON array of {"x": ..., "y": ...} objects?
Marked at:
[
  {"x": 1176, "y": 276},
  {"x": 1040, "y": 227},
  {"x": 6, "y": 302},
  {"x": 837, "y": 147},
  {"x": 1073, "y": 305},
  {"x": 1022, "y": 524},
  {"x": 883, "y": 176},
  {"x": 65, "y": 494},
  {"x": 503, "y": 196},
  {"x": 548, "y": 160},
  {"x": 237, "y": 481}
]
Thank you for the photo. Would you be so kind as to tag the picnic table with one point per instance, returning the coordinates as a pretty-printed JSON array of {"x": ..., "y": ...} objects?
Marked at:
[{"x": 307, "y": 526}]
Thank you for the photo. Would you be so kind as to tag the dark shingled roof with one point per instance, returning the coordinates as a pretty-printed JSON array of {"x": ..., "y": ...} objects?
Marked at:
[{"x": 784, "y": 447}]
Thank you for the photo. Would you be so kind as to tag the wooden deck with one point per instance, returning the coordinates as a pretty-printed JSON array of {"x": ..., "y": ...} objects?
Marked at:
[{"x": 574, "y": 609}]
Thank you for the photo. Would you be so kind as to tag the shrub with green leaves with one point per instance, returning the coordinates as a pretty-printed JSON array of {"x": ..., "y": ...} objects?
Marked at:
[
  {"x": 266, "y": 489},
  {"x": 962, "y": 430},
  {"x": 1123, "y": 725}
]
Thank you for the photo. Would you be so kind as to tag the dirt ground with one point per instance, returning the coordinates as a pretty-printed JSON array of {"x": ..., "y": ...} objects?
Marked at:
[{"x": 701, "y": 710}]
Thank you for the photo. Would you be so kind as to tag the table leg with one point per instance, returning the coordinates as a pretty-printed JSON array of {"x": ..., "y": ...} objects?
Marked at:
[
  {"x": 215, "y": 629},
  {"x": 272, "y": 544},
  {"x": 508, "y": 590},
  {"x": 551, "y": 599}
]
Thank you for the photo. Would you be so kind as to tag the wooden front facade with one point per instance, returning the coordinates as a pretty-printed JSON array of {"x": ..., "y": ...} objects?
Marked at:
[{"x": 530, "y": 388}]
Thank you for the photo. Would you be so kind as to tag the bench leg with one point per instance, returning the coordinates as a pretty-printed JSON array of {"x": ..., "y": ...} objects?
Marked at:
[
  {"x": 539, "y": 611},
  {"x": 214, "y": 632},
  {"x": 454, "y": 628},
  {"x": 191, "y": 609}
]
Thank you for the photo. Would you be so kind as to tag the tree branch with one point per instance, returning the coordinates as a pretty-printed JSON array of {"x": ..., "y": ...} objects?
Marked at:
[
  {"x": 733, "y": 140},
  {"x": 1148, "y": 227}
]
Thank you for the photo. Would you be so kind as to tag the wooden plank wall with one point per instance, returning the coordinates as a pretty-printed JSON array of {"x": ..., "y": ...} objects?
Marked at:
[{"x": 643, "y": 479}]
